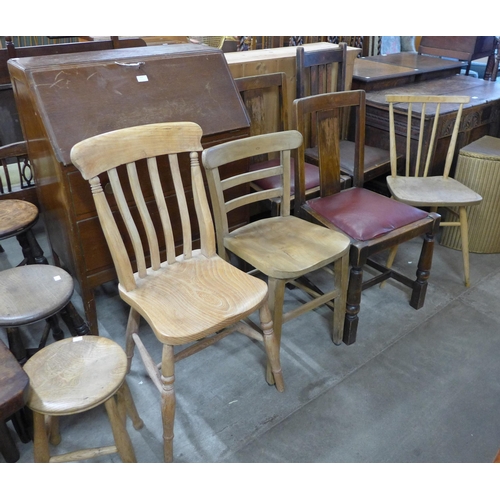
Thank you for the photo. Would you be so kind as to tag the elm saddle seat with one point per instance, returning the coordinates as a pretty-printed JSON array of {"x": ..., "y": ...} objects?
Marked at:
[
  {"x": 314, "y": 76},
  {"x": 70, "y": 377},
  {"x": 373, "y": 222},
  {"x": 192, "y": 297}
]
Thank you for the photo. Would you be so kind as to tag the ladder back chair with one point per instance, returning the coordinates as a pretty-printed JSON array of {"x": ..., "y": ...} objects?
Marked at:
[
  {"x": 414, "y": 186},
  {"x": 283, "y": 248},
  {"x": 316, "y": 75},
  {"x": 191, "y": 296},
  {"x": 373, "y": 222},
  {"x": 266, "y": 100}
]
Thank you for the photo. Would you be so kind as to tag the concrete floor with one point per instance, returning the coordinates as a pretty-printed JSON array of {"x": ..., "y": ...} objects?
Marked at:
[{"x": 418, "y": 386}]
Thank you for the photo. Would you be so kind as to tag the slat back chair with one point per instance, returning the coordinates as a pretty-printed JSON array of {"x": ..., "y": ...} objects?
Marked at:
[
  {"x": 415, "y": 187},
  {"x": 170, "y": 293},
  {"x": 283, "y": 248},
  {"x": 373, "y": 222},
  {"x": 314, "y": 76}
]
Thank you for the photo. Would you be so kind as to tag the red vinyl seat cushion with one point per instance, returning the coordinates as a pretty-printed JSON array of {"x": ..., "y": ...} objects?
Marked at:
[{"x": 363, "y": 214}]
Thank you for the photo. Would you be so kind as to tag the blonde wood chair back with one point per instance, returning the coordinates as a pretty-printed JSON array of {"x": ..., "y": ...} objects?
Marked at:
[{"x": 417, "y": 160}]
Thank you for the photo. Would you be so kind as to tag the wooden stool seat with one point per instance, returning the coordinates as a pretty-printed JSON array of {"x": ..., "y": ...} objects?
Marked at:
[
  {"x": 72, "y": 376},
  {"x": 13, "y": 392},
  {"x": 32, "y": 293},
  {"x": 16, "y": 216}
]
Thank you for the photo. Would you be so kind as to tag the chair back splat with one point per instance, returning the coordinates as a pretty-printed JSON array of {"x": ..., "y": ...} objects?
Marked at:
[{"x": 169, "y": 275}]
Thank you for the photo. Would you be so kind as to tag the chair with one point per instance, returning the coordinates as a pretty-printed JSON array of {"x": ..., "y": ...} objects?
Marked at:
[
  {"x": 283, "y": 248},
  {"x": 266, "y": 100},
  {"x": 314, "y": 71},
  {"x": 373, "y": 222},
  {"x": 184, "y": 299},
  {"x": 415, "y": 187},
  {"x": 13, "y": 392},
  {"x": 73, "y": 376}
]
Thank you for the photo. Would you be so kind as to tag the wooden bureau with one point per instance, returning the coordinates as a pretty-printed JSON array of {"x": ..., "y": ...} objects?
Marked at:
[{"x": 65, "y": 99}]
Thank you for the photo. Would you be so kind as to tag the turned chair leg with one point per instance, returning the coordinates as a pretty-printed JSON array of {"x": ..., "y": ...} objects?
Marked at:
[
  {"x": 341, "y": 277},
  {"x": 423, "y": 272},
  {"x": 464, "y": 232},
  {"x": 272, "y": 346},
  {"x": 276, "y": 301},
  {"x": 353, "y": 304},
  {"x": 168, "y": 401}
]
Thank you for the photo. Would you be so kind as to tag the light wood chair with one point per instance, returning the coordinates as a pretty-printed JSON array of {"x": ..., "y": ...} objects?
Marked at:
[
  {"x": 192, "y": 296},
  {"x": 284, "y": 248},
  {"x": 73, "y": 376},
  {"x": 414, "y": 187},
  {"x": 373, "y": 222},
  {"x": 320, "y": 72}
]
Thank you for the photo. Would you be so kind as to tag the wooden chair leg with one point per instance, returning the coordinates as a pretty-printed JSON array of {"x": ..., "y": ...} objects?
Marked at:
[
  {"x": 423, "y": 272},
  {"x": 52, "y": 430},
  {"x": 40, "y": 439},
  {"x": 464, "y": 232},
  {"x": 276, "y": 301},
  {"x": 126, "y": 406},
  {"x": 272, "y": 346},
  {"x": 134, "y": 319},
  {"x": 353, "y": 304},
  {"x": 122, "y": 439},
  {"x": 8, "y": 447},
  {"x": 168, "y": 401},
  {"x": 341, "y": 277}
]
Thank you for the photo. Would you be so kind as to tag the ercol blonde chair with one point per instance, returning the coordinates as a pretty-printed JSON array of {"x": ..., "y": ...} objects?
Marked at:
[
  {"x": 414, "y": 187},
  {"x": 284, "y": 248},
  {"x": 315, "y": 71},
  {"x": 73, "y": 376},
  {"x": 373, "y": 222},
  {"x": 195, "y": 297}
]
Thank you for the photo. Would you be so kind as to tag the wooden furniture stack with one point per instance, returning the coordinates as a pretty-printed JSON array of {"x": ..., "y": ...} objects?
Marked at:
[{"x": 65, "y": 99}]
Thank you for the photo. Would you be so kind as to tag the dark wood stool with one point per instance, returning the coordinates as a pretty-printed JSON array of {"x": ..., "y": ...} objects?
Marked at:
[
  {"x": 73, "y": 376},
  {"x": 13, "y": 394},
  {"x": 30, "y": 294}
]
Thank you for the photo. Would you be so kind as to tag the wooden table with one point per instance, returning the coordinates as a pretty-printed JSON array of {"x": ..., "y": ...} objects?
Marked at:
[
  {"x": 282, "y": 59},
  {"x": 480, "y": 117},
  {"x": 393, "y": 70}
]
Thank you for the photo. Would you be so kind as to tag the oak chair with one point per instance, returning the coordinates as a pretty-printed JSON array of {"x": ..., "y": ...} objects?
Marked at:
[
  {"x": 414, "y": 187},
  {"x": 189, "y": 297},
  {"x": 266, "y": 100},
  {"x": 372, "y": 222},
  {"x": 73, "y": 376},
  {"x": 316, "y": 74},
  {"x": 283, "y": 248}
]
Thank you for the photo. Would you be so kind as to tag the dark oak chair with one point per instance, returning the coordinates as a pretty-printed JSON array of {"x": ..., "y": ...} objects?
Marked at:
[
  {"x": 283, "y": 248},
  {"x": 266, "y": 98},
  {"x": 372, "y": 222},
  {"x": 320, "y": 72},
  {"x": 190, "y": 295}
]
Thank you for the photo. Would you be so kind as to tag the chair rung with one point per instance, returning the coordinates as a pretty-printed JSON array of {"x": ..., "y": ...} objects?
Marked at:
[{"x": 76, "y": 456}]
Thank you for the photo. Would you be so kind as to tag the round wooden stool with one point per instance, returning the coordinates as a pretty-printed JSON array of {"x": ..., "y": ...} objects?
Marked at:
[
  {"x": 29, "y": 294},
  {"x": 17, "y": 217},
  {"x": 75, "y": 375}
]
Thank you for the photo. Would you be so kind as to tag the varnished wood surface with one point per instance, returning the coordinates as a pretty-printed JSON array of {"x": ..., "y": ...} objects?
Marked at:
[
  {"x": 75, "y": 375},
  {"x": 16, "y": 216},
  {"x": 31, "y": 293},
  {"x": 13, "y": 383}
]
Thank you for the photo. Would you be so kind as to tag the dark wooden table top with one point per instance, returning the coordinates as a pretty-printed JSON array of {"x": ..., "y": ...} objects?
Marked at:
[{"x": 480, "y": 91}]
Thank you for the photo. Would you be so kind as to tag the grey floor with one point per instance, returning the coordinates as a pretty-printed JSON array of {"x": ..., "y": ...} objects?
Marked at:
[{"x": 418, "y": 386}]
